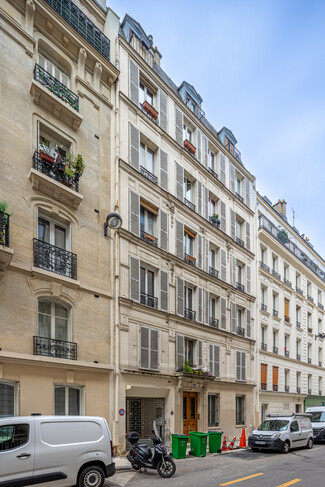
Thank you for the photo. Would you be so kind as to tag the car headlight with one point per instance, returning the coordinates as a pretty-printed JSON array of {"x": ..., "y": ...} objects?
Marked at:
[{"x": 276, "y": 435}]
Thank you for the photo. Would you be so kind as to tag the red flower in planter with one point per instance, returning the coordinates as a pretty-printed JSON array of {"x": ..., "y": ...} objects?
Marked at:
[
  {"x": 150, "y": 110},
  {"x": 190, "y": 147}
]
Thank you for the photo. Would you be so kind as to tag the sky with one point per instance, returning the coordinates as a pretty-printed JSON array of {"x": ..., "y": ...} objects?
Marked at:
[{"x": 259, "y": 66}]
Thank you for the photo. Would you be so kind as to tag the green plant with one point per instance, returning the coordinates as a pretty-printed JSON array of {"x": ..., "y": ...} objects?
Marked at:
[
  {"x": 77, "y": 164},
  {"x": 187, "y": 367},
  {"x": 4, "y": 207}
]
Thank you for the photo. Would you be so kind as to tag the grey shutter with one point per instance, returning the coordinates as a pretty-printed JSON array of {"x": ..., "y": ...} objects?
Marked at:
[
  {"x": 199, "y": 304},
  {"x": 134, "y": 82},
  {"x": 199, "y": 252},
  {"x": 134, "y": 213},
  {"x": 144, "y": 347},
  {"x": 134, "y": 279},
  {"x": 216, "y": 360},
  {"x": 164, "y": 288},
  {"x": 199, "y": 354},
  {"x": 163, "y": 217},
  {"x": 206, "y": 255},
  {"x": 134, "y": 146},
  {"x": 222, "y": 168},
  {"x": 178, "y": 126},
  {"x": 199, "y": 198},
  {"x": 248, "y": 236},
  {"x": 199, "y": 145},
  {"x": 206, "y": 203},
  {"x": 163, "y": 170},
  {"x": 206, "y": 307},
  {"x": 223, "y": 265},
  {"x": 179, "y": 190},
  {"x": 247, "y": 192},
  {"x": 205, "y": 150},
  {"x": 223, "y": 225},
  {"x": 180, "y": 353},
  {"x": 248, "y": 279},
  {"x": 243, "y": 366},
  {"x": 232, "y": 177},
  {"x": 179, "y": 240},
  {"x": 211, "y": 359},
  {"x": 233, "y": 308},
  {"x": 179, "y": 296},
  {"x": 163, "y": 110},
  {"x": 248, "y": 323},
  {"x": 223, "y": 314},
  {"x": 238, "y": 365},
  {"x": 232, "y": 224},
  {"x": 233, "y": 270},
  {"x": 154, "y": 349}
]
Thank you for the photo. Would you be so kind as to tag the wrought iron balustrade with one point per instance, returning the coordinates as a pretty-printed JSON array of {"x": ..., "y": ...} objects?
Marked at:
[
  {"x": 310, "y": 330},
  {"x": 213, "y": 322},
  {"x": 56, "y": 87},
  {"x": 83, "y": 25},
  {"x": 189, "y": 204},
  {"x": 240, "y": 286},
  {"x": 50, "y": 347},
  {"x": 275, "y": 387},
  {"x": 240, "y": 331},
  {"x": 55, "y": 259},
  {"x": 4, "y": 228},
  {"x": 298, "y": 356},
  {"x": 320, "y": 305},
  {"x": 213, "y": 272},
  {"x": 148, "y": 238},
  {"x": 298, "y": 390},
  {"x": 275, "y": 350},
  {"x": 275, "y": 313},
  {"x": 263, "y": 386},
  {"x": 264, "y": 266},
  {"x": 149, "y": 300},
  {"x": 287, "y": 318},
  {"x": 235, "y": 152},
  {"x": 239, "y": 197},
  {"x": 213, "y": 173},
  {"x": 298, "y": 324},
  {"x": 147, "y": 174},
  {"x": 319, "y": 392},
  {"x": 286, "y": 388},
  {"x": 190, "y": 259},
  {"x": 319, "y": 364},
  {"x": 263, "y": 307},
  {"x": 54, "y": 171},
  {"x": 189, "y": 314},
  {"x": 310, "y": 298},
  {"x": 286, "y": 353},
  {"x": 309, "y": 360},
  {"x": 299, "y": 291},
  {"x": 309, "y": 392},
  {"x": 276, "y": 274},
  {"x": 264, "y": 346},
  {"x": 288, "y": 283},
  {"x": 240, "y": 241}
]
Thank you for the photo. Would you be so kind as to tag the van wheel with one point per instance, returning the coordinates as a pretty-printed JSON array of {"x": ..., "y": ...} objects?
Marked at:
[
  {"x": 286, "y": 447},
  {"x": 310, "y": 444},
  {"x": 92, "y": 476}
]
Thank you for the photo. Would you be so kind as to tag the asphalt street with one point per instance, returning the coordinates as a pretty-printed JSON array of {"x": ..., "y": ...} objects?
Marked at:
[{"x": 242, "y": 468}]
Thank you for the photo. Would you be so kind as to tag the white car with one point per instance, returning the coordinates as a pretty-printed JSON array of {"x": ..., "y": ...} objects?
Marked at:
[{"x": 317, "y": 421}]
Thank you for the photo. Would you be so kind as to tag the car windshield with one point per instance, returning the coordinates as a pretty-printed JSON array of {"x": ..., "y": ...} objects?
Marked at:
[
  {"x": 318, "y": 417},
  {"x": 274, "y": 425}
]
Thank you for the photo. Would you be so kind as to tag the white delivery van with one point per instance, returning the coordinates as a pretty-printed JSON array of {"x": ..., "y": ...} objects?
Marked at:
[
  {"x": 58, "y": 451},
  {"x": 317, "y": 421}
]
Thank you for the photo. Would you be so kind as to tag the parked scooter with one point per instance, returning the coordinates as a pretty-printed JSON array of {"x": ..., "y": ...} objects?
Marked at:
[{"x": 142, "y": 456}]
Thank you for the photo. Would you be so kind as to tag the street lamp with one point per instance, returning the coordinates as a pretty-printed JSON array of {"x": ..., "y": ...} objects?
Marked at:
[{"x": 113, "y": 220}]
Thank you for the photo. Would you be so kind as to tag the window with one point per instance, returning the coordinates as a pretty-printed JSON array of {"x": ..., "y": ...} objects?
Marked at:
[
  {"x": 53, "y": 233},
  {"x": 148, "y": 216},
  {"x": 212, "y": 160},
  {"x": 188, "y": 242},
  {"x": 212, "y": 207},
  {"x": 240, "y": 366},
  {"x": 274, "y": 263},
  {"x": 286, "y": 271},
  {"x": 189, "y": 295},
  {"x": 263, "y": 337},
  {"x": 298, "y": 349},
  {"x": 286, "y": 310},
  {"x": 187, "y": 133},
  {"x": 309, "y": 383},
  {"x": 240, "y": 409},
  {"x": 239, "y": 186},
  {"x": 298, "y": 278},
  {"x": 147, "y": 287},
  {"x": 286, "y": 379},
  {"x": 12, "y": 436},
  {"x": 240, "y": 317},
  {"x": 54, "y": 69},
  {"x": 53, "y": 322},
  {"x": 213, "y": 410},
  {"x": 147, "y": 158},
  {"x": 298, "y": 310},
  {"x": 188, "y": 190},
  {"x": 213, "y": 307},
  {"x": 294, "y": 426},
  {"x": 275, "y": 339},
  {"x": 145, "y": 94},
  {"x": 239, "y": 229},
  {"x": 8, "y": 400},
  {"x": 263, "y": 377},
  {"x": 309, "y": 323},
  {"x": 214, "y": 360},
  {"x": 67, "y": 401},
  {"x": 320, "y": 325},
  {"x": 263, "y": 296},
  {"x": 275, "y": 304},
  {"x": 286, "y": 345},
  {"x": 149, "y": 342},
  {"x": 189, "y": 352},
  {"x": 275, "y": 375},
  {"x": 50, "y": 142}
]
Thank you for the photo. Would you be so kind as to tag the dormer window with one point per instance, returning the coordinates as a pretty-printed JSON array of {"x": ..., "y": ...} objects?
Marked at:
[{"x": 229, "y": 145}]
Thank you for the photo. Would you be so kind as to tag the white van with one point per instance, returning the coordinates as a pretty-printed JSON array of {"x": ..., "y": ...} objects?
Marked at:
[
  {"x": 317, "y": 421},
  {"x": 55, "y": 450}
]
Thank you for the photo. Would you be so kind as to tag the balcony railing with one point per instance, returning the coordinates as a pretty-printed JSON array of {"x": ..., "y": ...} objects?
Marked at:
[
  {"x": 275, "y": 387},
  {"x": 213, "y": 272},
  {"x": 148, "y": 238},
  {"x": 56, "y": 87},
  {"x": 55, "y": 171},
  {"x": 320, "y": 392},
  {"x": 298, "y": 324},
  {"x": 235, "y": 152},
  {"x": 298, "y": 356},
  {"x": 240, "y": 241},
  {"x": 195, "y": 109},
  {"x": 55, "y": 259},
  {"x": 275, "y": 313},
  {"x": 319, "y": 364},
  {"x": 309, "y": 392},
  {"x": 239, "y": 197},
  {"x": 320, "y": 305},
  {"x": 214, "y": 322},
  {"x": 82, "y": 24},
  {"x": 299, "y": 291},
  {"x": 4, "y": 228},
  {"x": 213, "y": 173},
  {"x": 275, "y": 350},
  {"x": 286, "y": 389},
  {"x": 309, "y": 360},
  {"x": 240, "y": 331},
  {"x": 276, "y": 274},
  {"x": 288, "y": 283},
  {"x": 310, "y": 298},
  {"x": 298, "y": 390},
  {"x": 189, "y": 314},
  {"x": 287, "y": 318},
  {"x": 189, "y": 204},
  {"x": 263, "y": 386},
  {"x": 190, "y": 259},
  {"x": 264, "y": 266},
  {"x": 214, "y": 220},
  {"x": 286, "y": 353},
  {"x": 240, "y": 286},
  {"x": 147, "y": 174},
  {"x": 263, "y": 307},
  {"x": 50, "y": 347},
  {"x": 148, "y": 300},
  {"x": 264, "y": 346}
]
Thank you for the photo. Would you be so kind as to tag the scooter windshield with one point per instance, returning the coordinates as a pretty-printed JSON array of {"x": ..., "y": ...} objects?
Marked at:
[{"x": 155, "y": 430}]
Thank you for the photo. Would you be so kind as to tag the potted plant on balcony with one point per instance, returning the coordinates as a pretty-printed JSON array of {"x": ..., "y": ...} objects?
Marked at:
[
  {"x": 150, "y": 110},
  {"x": 215, "y": 219},
  {"x": 4, "y": 215},
  {"x": 190, "y": 147},
  {"x": 76, "y": 164},
  {"x": 283, "y": 236},
  {"x": 45, "y": 151},
  {"x": 187, "y": 368}
]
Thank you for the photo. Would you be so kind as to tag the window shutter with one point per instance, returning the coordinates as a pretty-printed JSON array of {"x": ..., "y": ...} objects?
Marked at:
[
  {"x": 179, "y": 353},
  {"x": 163, "y": 170},
  {"x": 154, "y": 349},
  {"x": 199, "y": 198},
  {"x": 223, "y": 225},
  {"x": 232, "y": 224},
  {"x": 134, "y": 146},
  {"x": 178, "y": 126},
  {"x": 222, "y": 168},
  {"x": 144, "y": 347},
  {"x": 41, "y": 60},
  {"x": 233, "y": 309},
  {"x": 232, "y": 177},
  {"x": 216, "y": 361},
  {"x": 199, "y": 145},
  {"x": 163, "y": 110},
  {"x": 134, "y": 279},
  {"x": 64, "y": 79},
  {"x": 223, "y": 314},
  {"x": 247, "y": 192},
  {"x": 199, "y": 252},
  {"x": 223, "y": 265},
  {"x": 248, "y": 323},
  {"x": 49, "y": 66},
  {"x": 233, "y": 270},
  {"x": 205, "y": 150},
  {"x": 200, "y": 304},
  {"x": 163, "y": 216},
  {"x": 206, "y": 203},
  {"x": 179, "y": 296},
  {"x": 199, "y": 354},
  {"x": 134, "y": 213},
  {"x": 179, "y": 240},
  {"x": 248, "y": 279},
  {"x": 206, "y": 255},
  {"x": 243, "y": 366},
  {"x": 179, "y": 182},
  {"x": 238, "y": 365},
  {"x": 206, "y": 307},
  {"x": 248, "y": 236},
  {"x": 164, "y": 288},
  {"x": 211, "y": 359},
  {"x": 134, "y": 82}
]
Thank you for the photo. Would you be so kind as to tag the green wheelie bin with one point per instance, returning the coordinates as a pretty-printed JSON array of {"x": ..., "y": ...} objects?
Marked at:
[
  {"x": 215, "y": 441},
  {"x": 198, "y": 443},
  {"x": 179, "y": 445}
]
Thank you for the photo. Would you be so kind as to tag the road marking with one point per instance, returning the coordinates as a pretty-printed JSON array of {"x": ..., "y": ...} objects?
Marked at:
[
  {"x": 244, "y": 478},
  {"x": 290, "y": 483}
]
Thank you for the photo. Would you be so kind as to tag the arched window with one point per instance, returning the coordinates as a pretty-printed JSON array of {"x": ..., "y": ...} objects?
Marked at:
[{"x": 53, "y": 68}]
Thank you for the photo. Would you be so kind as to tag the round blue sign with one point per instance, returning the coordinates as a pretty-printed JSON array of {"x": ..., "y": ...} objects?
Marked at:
[{"x": 121, "y": 412}]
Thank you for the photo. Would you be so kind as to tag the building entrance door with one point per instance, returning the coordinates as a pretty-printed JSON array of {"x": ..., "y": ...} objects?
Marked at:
[{"x": 189, "y": 412}]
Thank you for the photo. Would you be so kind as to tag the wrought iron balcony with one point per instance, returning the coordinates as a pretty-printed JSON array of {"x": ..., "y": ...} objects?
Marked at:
[
  {"x": 263, "y": 307},
  {"x": 189, "y": 204},
  {"x": 309, "y": 392},
  {"x": 148, "y": 300},
  {"x": 263, "y": 386},
  {"x": 239, "y": 197},
  {"x": 214, "y": 322},
  {"x": 214, "y": 220},
  {"x": 298, "y": 356},
  {"x": 4, "y": 228},
  {"x": 299, "y": 291},
  {"x": 310, "y": 330},
  {"x": 190, "y": 259},
  {"x": 286, "y": 389},
  {"x": 235, "y": 152},
  {"x": 189, "y": 314},
  {"x": 213, "y": 272},
  {"x": 298, "y": 390},
  {"x": 55, "y": 259},
  {"x": 320, "y": 392},
  {"x": 56, "y": 87},
  {"x": 240, "y": 241},
  {"x": 264, "y": 346},
  {"x": 240, "y": 286},
  {"x": 55, "y": 171},
  {"x": 195, "y": 109},
  {"x": 320, "y": 305},
  {"x": 213, "y": 173},
  {"x": 275, "y": 313},
  {"x": 275, "y": 387},
  {"x": 148, "y": 238},
  {"x": 50, "y": 347},
  {"x": 287, "y": 318},
  {"x": 288, "y": 283},
  {"x": 147, "y": 174},
  {"x": 310, "y": 298},
  {"x": 298, "y": 324},
  {"x": 240, "y": 331},
  {"x": 264, "y": 266},
  {"x": 286, "y": 353},
  {"x": 275, "y": 350},
  {"x": 319, "y": 364},
  {"x": 309, "y": 360},
  {"x": 276, "y": 274},
  {"x": 82, "y": 24}
]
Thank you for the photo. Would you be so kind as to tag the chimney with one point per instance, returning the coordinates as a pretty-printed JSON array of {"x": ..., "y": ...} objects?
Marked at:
[
  {"x": 281, "y": 207},
  {"x": 157, "y": 56}
]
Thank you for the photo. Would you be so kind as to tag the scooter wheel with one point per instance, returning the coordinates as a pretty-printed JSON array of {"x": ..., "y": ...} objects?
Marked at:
[
  {"x": 166, "y": 470},
  {"x": 135, "y": 466}
]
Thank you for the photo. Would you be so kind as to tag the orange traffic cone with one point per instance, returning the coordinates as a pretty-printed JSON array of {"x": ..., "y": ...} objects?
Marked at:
[
  {"x": 232, "y": 444},
  {"x": 242, "y": 443},
  {"x": 224, "y": 444}
]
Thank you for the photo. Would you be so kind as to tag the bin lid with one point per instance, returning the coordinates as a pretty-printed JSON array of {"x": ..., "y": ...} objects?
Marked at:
[
  {"x": 198, "y": 433},
  {"x": 215, "y": 432},
  {"x": 179, "y": 435}
]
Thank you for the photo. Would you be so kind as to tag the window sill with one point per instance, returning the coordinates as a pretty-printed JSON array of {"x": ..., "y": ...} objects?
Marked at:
[{"x": 6, "y": 254}]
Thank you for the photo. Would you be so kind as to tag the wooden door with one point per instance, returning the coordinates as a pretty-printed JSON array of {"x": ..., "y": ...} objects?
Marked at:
[{"x": 189, "y": 412}]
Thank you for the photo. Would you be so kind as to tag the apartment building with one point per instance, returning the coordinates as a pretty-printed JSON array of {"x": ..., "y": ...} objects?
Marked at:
[
  {"x": 186, "y": 323},
  {"x": 290, "y": 315},
  {"x": 57, "y": 102}
]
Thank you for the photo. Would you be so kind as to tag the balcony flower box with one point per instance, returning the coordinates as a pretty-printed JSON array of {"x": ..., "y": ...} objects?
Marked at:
[
  {"x": 190, "y": 147},
  {"x": 150, "y": 110},
  {"x": 190, "y": 258},
  {"x": 46, "y": 157},
  {"x": 147, "y": 236}
]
